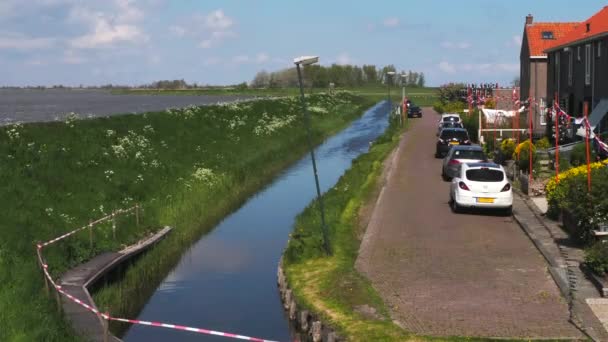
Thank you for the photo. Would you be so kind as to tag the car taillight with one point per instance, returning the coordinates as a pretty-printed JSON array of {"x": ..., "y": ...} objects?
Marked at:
[
  {"x": 507, "y": 187},
  {"x": 463, "y": 186},
  {"x": 454, "y": 162}
]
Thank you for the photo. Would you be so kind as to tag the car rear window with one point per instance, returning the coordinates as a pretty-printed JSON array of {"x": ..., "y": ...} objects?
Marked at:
[
  {"x": 449, "y": 134},
  {"x": 485, "y": 175},
  {"x": 451, "y": 118},
  {"x": 464, "y": 154}
]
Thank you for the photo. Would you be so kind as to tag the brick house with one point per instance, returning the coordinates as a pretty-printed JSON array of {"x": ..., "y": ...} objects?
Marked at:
[
  {"x": 533, "y": 63},
  {"x": 578, "y": 69}
]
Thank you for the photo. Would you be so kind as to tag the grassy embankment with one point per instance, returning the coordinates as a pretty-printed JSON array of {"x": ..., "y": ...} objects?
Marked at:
[
  {"x": 188, "y": 169},
  {"x": 331, "y": 286},
  {"x": 420, "y": 96}
]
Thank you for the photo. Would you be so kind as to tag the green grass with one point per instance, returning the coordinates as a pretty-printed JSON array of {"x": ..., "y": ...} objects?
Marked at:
[
  {"x": 331, "y": 286},
  {"x": 188, "y": 169},
  {"x": 420, "y": 96}
]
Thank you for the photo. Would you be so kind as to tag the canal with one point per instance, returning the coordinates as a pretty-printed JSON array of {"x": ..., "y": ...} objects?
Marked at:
[{"x": 227, "y": 280}]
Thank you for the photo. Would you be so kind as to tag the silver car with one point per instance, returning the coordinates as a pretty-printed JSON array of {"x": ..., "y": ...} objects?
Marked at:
[{"x": 460, "y": 155}]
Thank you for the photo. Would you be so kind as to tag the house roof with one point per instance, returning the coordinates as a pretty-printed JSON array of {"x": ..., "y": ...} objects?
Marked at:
[
  {"x": 534, "y": 32},
  {"x": 597, "y": 24}
]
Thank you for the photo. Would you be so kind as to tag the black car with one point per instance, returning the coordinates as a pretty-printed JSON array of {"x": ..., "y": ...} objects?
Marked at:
[
  {"x": 414, "y": 112},
  {"x": 450, "y": 137}
]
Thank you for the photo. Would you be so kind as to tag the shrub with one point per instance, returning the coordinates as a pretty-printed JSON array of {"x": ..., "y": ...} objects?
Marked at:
[
  {"x": 438, "y": 107},
  {"x": 507, "y": 147},
  {"x": 470, "y": 121},
  {"x": 596, "y": 257},
  {"x": 579, "y": 155},
  {"x": 490, "y": 104},
  {"x": 522, "y": 153},
  {"x": 543, "y": 144}
]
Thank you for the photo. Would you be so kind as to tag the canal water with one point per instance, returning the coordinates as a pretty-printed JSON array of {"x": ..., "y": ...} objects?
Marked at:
[{"x": 227, "y": 280}]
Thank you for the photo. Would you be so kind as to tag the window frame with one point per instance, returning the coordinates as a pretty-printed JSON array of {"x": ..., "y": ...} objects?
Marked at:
[
  {"x": 578, "y": 53},
  {"x": 542, "y": 119},
  {"x": 599, "y": 49},
  {"x": 570, "y": 66}
]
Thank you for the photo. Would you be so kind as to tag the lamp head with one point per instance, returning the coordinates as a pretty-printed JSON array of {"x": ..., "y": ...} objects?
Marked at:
[{"x": 306, "y": 60}]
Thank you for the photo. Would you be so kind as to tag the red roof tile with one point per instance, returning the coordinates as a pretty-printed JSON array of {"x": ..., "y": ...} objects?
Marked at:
[
  {"x": 534, "y": 32},
  {"x": 598, "y": 24}
]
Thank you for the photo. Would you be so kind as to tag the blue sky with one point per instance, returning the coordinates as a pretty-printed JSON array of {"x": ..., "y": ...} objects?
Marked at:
[{"x": 44, "y": 42}]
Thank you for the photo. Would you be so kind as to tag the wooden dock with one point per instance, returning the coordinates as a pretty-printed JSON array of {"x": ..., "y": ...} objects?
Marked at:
[{"x": 77, "y": 280}]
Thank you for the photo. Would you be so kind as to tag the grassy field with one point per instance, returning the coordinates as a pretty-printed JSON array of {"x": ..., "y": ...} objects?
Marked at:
[
  {"x": 331, "y": 286},
  {"x": 420, "y": 96},
  {"x": 188, "y": 168}
]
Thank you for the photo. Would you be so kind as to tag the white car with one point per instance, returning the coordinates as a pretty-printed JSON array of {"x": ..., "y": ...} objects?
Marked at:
[
  {"x": 481, "y": 185},
  {"x": 449, "y": 117},
  {"x": 462, "y": 154}
]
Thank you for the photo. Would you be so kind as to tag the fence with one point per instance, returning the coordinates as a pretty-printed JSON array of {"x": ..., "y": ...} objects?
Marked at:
[{"x": 105, "y": 317}]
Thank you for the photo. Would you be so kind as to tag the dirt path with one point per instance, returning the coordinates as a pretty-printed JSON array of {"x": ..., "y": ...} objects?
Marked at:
[{"x": 447, "y": 274}]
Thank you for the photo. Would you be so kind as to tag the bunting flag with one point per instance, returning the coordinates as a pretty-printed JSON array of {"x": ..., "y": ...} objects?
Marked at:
[{"x": 582, "y": 130}]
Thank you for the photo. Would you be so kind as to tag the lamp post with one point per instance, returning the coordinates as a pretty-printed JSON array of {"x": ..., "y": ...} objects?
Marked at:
[
  {"x": 403, "y": 105},
  {"x": 308, "y": 60},
  {"x": 388, "y": 83}
]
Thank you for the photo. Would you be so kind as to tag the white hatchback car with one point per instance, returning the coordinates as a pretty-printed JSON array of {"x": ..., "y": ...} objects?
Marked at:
[{"x": 481, "y": 185}]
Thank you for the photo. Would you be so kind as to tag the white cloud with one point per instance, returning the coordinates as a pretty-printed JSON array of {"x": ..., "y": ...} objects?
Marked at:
[
  {"x": 240, "y": 59},
  {"x": 71, "y": 57},
  {"x": 344, "y": 58},
  {"x": 516, "y": 40},
  {"x": 209, "y": 29},
  {"x": 15, "y": 41},
  {"x": 447, "y": 67},
  {"x": 178, "y": 30},
  {"x": 262, "y": 58},
  {"x": 36, "y": 62},
  {"x": 154, "y": 60},
  {"x": 211, "y": 61},
  {"x": 391, "y": 22},
  {"x": 107, "y": 28},
  {"x": 455, "y": 45},
  {"x": 218, "y": 21},
  {"x": 484, "y": 68}
]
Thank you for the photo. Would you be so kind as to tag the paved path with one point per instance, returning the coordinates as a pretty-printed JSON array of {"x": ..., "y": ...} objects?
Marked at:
[{"x": 447, "y": 274}]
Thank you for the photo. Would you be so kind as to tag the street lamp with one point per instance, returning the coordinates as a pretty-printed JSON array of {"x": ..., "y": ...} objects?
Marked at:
[
  {"x": 308, "y": 60},
  {"x": 388, "y": 83},
  {"x": 403, "y": 105}
]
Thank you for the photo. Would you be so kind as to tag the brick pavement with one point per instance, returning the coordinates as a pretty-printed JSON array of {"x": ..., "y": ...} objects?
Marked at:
[{"x": 447, "y": 274}]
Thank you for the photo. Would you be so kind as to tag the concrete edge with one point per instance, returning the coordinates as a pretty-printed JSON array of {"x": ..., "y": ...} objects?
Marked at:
[
  {"x": 556, "y": 270},
  {"x": 108, "y": 267}
]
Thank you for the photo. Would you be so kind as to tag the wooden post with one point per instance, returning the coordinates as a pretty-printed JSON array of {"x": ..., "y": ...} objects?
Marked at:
[
  {"x": 106, "y": 327},
  {"x": 91, "y": 234},
  {"x": 587, "y": 134},
  {"x": 58, "y": 300},
  {"x": 137, "y": 214},
  {"x": 114, "y": 224}
]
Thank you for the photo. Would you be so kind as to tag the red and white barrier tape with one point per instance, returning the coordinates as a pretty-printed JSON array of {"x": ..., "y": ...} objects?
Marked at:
[{"x": 107, "y": 316}]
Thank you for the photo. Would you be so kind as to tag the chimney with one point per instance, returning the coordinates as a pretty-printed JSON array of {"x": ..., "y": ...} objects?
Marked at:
[{"x": 529, "y": 19}]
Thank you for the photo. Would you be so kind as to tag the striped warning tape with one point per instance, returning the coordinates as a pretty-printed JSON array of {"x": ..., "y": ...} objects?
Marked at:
[{"x": 106, "y": 316}]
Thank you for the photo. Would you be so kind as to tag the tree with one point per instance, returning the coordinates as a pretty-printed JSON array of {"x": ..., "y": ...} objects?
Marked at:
[
  {"x": 370, "y": 73},
  {"x": 261, "y": 79},
  {"x": 515, "y": 82},
  {"x": 421, "y": 80}
]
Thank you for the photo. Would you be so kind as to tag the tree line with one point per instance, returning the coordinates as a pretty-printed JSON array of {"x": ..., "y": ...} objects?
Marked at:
[{"x": 340, "y": 75}]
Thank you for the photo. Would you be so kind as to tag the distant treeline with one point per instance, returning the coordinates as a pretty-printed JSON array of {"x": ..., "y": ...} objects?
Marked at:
[{"x": 340, "y": 75}]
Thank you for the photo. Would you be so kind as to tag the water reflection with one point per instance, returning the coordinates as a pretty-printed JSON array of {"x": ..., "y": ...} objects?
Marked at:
[{"x": 227, "y": 281}]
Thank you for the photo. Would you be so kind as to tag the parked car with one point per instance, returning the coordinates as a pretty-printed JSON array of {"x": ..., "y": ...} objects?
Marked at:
[
  {"x": 448, "y": 124},
  {"x": 461, "y": 155},
  {"x": 449, "y": 117},
  {"x": 414, "y": 111},
  {"x": 450, "y": 137},
  {"x": 481, "y": 185}
]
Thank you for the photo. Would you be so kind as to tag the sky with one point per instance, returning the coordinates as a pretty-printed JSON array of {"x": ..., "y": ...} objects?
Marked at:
[{"x": 133, "y": 42}]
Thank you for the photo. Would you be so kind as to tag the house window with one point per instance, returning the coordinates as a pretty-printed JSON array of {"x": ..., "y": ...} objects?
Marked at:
[
  {"x": 578, "y": 53},
  {"x": 557, "y": 75},
  {"x": 570, "y": 62},
  {"x": 543, "y": 112},
  {"x": 547, "y": 35},
  {"x": 588, "y": 64},
  {"x": 599, "y": 49}
]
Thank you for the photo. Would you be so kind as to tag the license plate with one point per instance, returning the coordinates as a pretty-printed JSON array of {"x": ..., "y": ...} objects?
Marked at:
[
  {"x": 454, "y": 143},
  {"x": 485, "y": 200}
]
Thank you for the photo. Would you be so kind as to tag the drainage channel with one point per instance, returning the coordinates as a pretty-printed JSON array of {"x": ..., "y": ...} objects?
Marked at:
[{"x": 227, "y": 280}]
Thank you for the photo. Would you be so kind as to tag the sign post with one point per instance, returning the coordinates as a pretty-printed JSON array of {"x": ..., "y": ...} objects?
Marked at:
[{"x": 587, "y": 134}]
